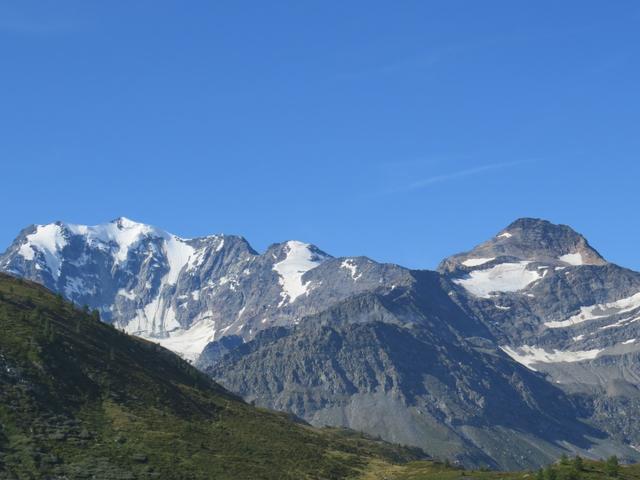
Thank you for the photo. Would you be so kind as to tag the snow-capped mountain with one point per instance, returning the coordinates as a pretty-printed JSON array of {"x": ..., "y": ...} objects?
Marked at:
[
  {"x": 555, "y": 305},
  {"x": 538, "y": 293},
  {"x": 534, "y": 322},
  {"x": 185, "y": 293},
  {"x": 550, "y": 298}
]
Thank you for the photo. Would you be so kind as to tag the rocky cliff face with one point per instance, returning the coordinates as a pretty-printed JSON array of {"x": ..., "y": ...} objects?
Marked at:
[
  {"x": 186, "y": 293},
  {"x": 415, "y": 369}
]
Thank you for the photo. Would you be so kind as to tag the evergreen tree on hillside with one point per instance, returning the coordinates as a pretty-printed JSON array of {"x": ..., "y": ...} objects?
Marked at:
[
  {"x": 612, "y": 466},
  {"x": 578, "y": 463},
  {"x": 550, "y": 473}
]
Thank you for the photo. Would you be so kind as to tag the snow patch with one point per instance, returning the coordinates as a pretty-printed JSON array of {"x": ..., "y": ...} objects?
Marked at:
[
  {"x": 602, "y": 310},
  {"x": 299, "y": 260},
  {"x": 126, "y": 294},
  {"x": 49, "y": 240},
  {"x": 620, "y": 323},
  {"x": 506, "y": 277},
  {"x": 189, "y": 343},
  {"x": 627, "y": 342},
  {"x": 178, "y": 254},
  {"x": 505, "y": 235},
  {"x": 350, "y": 264},
  {"x": 572, "y": 258},
  {"x": 153, "y": 319},
  {"x": 529, "y": 355},
  {"x": 474, "y": 262}
]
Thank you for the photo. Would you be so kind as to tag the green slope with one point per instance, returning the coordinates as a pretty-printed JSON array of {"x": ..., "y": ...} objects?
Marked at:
[
  {"x": 423, "y": 470},
  {"x": 79, "y": 399}
]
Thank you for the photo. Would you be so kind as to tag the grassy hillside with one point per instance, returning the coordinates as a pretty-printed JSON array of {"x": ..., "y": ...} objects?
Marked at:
[
  {"x": 423, "y": 470},
  {"x": 79, "y": 399}
]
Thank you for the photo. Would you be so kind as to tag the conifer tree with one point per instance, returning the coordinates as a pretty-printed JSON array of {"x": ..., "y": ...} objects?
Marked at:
[
  {"x": 612, "y": 466},
  {"x": 578, "y": 463},
  {"x": 550, "y": 473}
]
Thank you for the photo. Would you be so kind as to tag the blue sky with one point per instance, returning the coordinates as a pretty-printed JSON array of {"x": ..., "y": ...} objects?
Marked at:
[{"x": 405, "y": 131}]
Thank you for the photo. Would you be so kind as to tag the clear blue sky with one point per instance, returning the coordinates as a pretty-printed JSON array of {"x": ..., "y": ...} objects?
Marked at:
[{"x": 405, "y": 131}]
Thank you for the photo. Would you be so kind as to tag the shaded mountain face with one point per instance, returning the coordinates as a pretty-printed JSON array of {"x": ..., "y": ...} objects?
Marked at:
[
  {"x": 537, "y": 292},
  {"x": 413, "y": 370},
  {"x": 80, "y": 399},
  {"x": 498, "y": 358}
]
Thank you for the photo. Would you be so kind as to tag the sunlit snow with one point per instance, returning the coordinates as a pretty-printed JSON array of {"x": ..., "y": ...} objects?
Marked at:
[
  {"x": 506, "y": 277},
  {"x": 595, "y": 312},
  {"x": 299, "y": 260},
  {"x": 529, "y": 355},
  {"x": 190, "y": 343},
  {"x": 474, "y": 262},
  {"x": 123, "y": 233},
  {"x": 49, "y": 241},
  {"x": 352, "y": 267},
  {"x": 572, "y": 258}
]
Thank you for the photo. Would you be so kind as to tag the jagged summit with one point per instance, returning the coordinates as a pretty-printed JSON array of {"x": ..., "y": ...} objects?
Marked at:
[
  {"x": 181, "y": 292},
  {"x": 528, "y": 240},
  {"x": 124, "y": 222},
  {"x": 296, "y": 252}
]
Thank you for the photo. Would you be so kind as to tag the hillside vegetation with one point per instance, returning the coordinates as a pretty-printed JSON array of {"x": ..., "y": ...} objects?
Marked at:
[
  {"x": 562, "y": 470},
  {"x": 79, "y": 399}
]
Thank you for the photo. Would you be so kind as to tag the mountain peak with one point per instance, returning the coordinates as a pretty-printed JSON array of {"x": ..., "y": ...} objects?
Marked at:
[
  {"x": 295, "y": 248},
  {"x": 529, "y": 240},
  {"x": 124, "y": 222},
  {"x": 539, "y": 226},
  {"x": 530, "y": 222},
  {"x": 292, "y": 259}
]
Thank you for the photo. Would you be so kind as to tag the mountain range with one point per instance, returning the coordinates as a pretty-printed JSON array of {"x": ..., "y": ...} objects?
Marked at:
[{"x": 523, "y": 348}]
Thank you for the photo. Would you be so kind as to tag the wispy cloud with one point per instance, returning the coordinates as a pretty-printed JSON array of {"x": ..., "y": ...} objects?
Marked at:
[
  {"x": 420, "y": 60},
  {"x": 425, "y": 60},
  {"x": 428, "y": 181}
]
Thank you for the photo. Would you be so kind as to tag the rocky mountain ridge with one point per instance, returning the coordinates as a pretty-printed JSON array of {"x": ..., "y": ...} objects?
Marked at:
[
  {"x": 185, "y": 293},
  {"x": 533, "y": 313}
]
